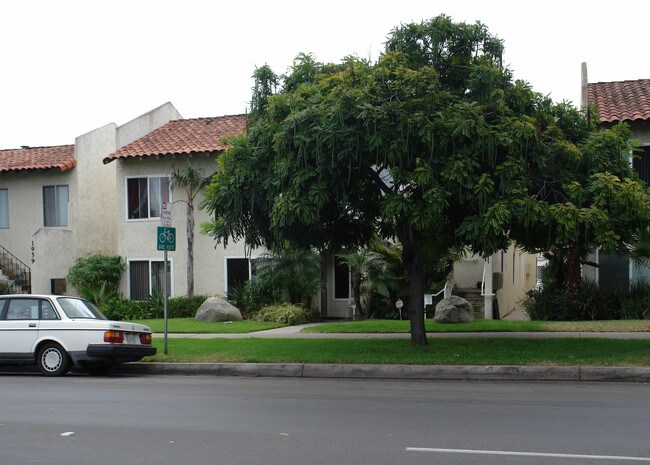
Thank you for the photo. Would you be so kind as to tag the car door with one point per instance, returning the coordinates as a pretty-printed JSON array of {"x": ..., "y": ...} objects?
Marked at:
[{"x": 18, "y": 328}]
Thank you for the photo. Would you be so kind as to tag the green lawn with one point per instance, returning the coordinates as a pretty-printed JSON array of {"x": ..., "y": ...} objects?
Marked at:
[
  {"x": 396, "y": 326},
  {"x": 490, "y": 351},
  {"x": 190, "y": 325}
]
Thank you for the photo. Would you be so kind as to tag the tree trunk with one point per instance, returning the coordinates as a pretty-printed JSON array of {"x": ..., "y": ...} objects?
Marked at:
[
  {"x": 190, "y": 249},
  {"x": 356, "y": 289},
  {"x": 413, "y": 262},
  {"x": 573, "y": 276}
]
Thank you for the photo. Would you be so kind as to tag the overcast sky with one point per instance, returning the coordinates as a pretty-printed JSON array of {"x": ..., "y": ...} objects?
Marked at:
[{"x": 72, "y": 66}]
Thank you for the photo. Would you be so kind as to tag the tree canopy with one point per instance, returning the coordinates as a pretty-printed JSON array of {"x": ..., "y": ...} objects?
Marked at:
[{"x": 435, "y": 144}]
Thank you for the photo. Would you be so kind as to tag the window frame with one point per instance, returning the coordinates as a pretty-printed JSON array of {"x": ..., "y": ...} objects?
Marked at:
[
  {"x": 149, "y": 261},
  {"x": 57, "y": 206},
  {"x": 4, "y": 208},
  {"x": 148, "y": 177}
]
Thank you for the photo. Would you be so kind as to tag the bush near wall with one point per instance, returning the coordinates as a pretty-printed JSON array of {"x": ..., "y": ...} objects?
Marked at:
[
  {"x": 283, "y": 313},
  {"x": 589, "y": 302},
  {"x": 153, "y": 307}
]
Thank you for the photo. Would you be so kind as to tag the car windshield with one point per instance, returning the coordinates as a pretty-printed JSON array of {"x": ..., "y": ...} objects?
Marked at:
[{"x": 78, "y": 308}]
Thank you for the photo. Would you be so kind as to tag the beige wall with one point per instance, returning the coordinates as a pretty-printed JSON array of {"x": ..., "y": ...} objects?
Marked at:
[
  {"x": 468, "y": 271},
  {"x": 519, "y": 271}
]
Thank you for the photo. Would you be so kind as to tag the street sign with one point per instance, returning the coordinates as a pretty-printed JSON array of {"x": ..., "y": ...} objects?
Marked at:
[
  {"x": 166, "y": 214},
  {"x": 166, "y": 238}
]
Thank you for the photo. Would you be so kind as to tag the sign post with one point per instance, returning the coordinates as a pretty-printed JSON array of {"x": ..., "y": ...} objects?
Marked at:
[{"x": 166, "y": 241}]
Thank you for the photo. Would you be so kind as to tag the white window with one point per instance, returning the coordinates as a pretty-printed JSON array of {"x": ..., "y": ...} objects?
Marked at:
[
  {"x": 147, "y": 277},
  {"x": 55, "y": 206},
  {"x": 144, "y": 196},
  {"x": 4, "y": 209}
]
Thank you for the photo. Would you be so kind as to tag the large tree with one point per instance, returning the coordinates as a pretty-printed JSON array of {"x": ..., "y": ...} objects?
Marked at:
[{"x": 434, "y": 144}]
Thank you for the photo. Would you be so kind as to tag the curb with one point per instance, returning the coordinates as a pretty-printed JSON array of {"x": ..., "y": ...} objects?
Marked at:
[{"x": 424, "y": 372}]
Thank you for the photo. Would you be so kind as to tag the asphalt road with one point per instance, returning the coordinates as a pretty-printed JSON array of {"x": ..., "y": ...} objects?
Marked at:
[{"x": 185, "y": 420}]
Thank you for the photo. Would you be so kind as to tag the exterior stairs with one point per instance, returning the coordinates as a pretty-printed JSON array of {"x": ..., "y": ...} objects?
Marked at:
[
  {"x": 474, "y": 297},
  {"x": 15, "y": 276}
]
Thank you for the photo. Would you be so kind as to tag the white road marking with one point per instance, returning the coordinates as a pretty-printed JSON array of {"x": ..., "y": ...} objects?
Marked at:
[
  {"x": 528, "y": 454},
  {"x": 69, "y": 433}
]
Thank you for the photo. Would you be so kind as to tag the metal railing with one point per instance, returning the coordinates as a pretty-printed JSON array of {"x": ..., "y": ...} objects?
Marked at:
[{"x": 17, "y": 275}]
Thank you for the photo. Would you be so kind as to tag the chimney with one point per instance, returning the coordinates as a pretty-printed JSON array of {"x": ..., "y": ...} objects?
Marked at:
[{"x": 584, "y": 100}]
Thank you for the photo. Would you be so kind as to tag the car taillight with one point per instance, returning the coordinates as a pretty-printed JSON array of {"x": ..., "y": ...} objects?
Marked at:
[
  {"x": 114, "y": 337},
  {"x": 145, "y": 338}
]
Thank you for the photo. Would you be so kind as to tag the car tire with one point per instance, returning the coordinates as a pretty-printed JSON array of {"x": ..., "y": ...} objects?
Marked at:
[
  {"x": 98, "y": 369},
  {"x": 52, "y": 360}
]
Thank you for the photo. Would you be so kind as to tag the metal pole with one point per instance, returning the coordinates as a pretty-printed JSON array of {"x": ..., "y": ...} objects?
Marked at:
[{"x": 165, "y": 303}]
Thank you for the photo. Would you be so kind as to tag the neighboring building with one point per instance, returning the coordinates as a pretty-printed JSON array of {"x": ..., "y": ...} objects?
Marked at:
[
  {"x": 627, "y": 101},
  {"x": 498, "y": 282},
  {"x": 59, "y": 203}
]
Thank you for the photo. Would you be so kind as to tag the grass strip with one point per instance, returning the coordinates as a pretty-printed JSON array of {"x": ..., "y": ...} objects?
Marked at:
[
  {"x": 190, "y": 325},
  {"x": 397, "y": 326},
  {"x": 489, "y": 351}
]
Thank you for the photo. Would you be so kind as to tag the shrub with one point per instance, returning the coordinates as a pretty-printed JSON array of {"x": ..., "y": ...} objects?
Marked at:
[
  {"x": 153, "y": 307},
  {"x": 250, "y": 297},
  {"x": 121, "y": 309},
  {"x": 184, "y": 307},
  {"x": 284, "y": 313},
  {"x": 90, "y": 273},
  {"x": 587, "y": 302},
  {"x": 635, "y": 305}
]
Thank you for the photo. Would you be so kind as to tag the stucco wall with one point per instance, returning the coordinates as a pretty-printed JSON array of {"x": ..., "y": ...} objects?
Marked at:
[
  {"x": 143, "y": 124},
  {"x": 468, "y": 271},
  {"x": 519, "y": 272},
  {"x": 95, "y": 229}
]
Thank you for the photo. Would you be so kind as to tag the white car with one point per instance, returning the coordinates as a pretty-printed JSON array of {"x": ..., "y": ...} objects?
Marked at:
[{"x": 56, "y": 332}]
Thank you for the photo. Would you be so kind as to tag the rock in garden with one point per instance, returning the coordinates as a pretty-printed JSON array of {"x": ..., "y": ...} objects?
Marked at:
[
  {"x": 216, "y": 309},
  {"x": 454, "y": 309}
]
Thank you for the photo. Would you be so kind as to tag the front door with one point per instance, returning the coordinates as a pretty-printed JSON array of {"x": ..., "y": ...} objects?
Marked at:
[
  {"x": 613, "y": 270},
  {"x": 18, "y": 328}
]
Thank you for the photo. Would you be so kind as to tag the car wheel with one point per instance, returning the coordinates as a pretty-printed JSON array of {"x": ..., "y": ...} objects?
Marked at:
[
  {"x": 98, "y": 369},
  {"x": 52, "y": 360}
]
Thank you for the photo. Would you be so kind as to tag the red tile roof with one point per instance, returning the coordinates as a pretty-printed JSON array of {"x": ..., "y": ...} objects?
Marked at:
[
  {"x": 38, "y": 158},
  {"x": 184, "y": 136},
  {"x": 619, "y": 101}
]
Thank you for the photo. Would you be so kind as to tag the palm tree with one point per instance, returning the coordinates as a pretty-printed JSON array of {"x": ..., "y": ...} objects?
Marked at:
[
  {"x": 371, "y": 275},
  {"x": 192, "y": 181},
  {"x": 292, "y": 271}
]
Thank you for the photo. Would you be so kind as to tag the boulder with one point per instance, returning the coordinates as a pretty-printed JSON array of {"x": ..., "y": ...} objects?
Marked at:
[
  {"x": 217, "y": 309},
  {"x": 454, "y": 309}
]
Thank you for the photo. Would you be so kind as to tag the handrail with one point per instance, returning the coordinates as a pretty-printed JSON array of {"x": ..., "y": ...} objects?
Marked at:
[
  {"x": 444, "y": 288},
  {"x": 483, "y": 294},
  {"x": 14, "y": 258},
  {"x": 19, "y": 275}
]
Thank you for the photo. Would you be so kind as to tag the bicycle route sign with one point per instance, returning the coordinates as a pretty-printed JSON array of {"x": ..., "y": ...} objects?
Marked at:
[{"x": 166, "y": 238}]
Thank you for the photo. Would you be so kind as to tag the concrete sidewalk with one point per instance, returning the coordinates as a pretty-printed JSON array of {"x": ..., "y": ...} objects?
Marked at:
[{"x": 424, "y": 372}]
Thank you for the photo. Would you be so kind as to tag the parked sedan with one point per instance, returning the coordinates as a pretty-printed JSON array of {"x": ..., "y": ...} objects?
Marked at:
[{"x": 56, "y": 332}]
